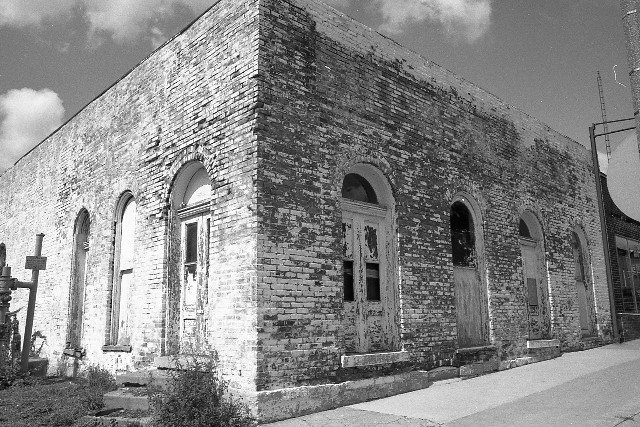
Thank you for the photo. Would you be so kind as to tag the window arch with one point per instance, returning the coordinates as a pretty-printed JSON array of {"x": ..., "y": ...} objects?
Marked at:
[
  {"x": 355, "y": 187},
  {"x": 123, "y": 270}
]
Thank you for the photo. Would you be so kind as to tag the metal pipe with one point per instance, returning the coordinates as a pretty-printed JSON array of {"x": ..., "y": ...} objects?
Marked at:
[
  {"x": 31, "y": 308},
  {"x": 614, "y": 131},
  {"x": 603, "y": 226},
  {"x": 615, "y": 121}
]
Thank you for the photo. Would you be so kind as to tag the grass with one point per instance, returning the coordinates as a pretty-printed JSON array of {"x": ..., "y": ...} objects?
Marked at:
[{"x": 54, "y": 402}]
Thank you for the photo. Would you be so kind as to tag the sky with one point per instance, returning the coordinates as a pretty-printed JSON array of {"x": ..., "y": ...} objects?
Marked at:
[{"x": 539, "y": 56}]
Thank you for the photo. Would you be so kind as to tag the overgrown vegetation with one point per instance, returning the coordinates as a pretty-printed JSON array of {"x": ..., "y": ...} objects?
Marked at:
[
  {"x": 9, "y": 350},
  {"x": 32, "y": 402},
  {"x": 196, "y": 396}
]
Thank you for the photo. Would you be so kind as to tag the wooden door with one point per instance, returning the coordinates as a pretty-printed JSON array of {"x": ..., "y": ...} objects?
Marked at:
[
  {"x": 368, "y": 299},
  {"x": 194, "y": 283},
  {"x": 533, "y": 287},
  {"x": 582, "y": 289},
  {"x": 469, "y": 307}
]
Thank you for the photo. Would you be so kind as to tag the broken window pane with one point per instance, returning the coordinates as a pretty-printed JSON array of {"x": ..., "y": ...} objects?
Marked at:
[
  {"x": 524, "y": 230},
  {"x": 462, "y": 236},
  {"x": 373, "y": 282},
  {"x": 191, "y": 243},
  {"x": 348, "y": 280},
  {"x": 355, "y": 187}
]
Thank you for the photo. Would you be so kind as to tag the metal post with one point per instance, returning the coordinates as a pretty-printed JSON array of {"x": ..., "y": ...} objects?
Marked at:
[
  {"x": 31, "y": 308},
  {"x": 603, "y": 226}
]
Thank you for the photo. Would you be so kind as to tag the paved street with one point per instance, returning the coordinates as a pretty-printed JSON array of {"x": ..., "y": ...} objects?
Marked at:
[{"x": 599, "y": 387}]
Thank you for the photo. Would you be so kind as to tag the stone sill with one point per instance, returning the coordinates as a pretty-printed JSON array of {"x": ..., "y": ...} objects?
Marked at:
[
  {"x": 116, "y": 348},
  {"x": 629, "y": 314},
  {"x": 468, "y": 350},
  {"x": 543, "y": 343},
  {"x": 371, "y": 359}
]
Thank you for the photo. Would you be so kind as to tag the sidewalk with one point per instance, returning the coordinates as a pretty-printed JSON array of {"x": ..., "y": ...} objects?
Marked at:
[{"x": 598, "y": 387}]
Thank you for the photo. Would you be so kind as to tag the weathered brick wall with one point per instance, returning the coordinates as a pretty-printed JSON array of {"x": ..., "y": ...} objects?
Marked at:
[
  {"x": 336, "y": 93},
  {"x": 193, "y": 99}
]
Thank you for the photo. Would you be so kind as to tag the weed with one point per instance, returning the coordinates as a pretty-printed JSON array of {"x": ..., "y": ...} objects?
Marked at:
[
  {"x": 196, "y": 396},
  {"x": 99, "y": 382}
]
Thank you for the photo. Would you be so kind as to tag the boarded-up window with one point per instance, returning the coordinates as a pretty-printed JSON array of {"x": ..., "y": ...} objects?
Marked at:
[
  {"x": 123, "y": 271},
  {"x": 532, "y": 291}
]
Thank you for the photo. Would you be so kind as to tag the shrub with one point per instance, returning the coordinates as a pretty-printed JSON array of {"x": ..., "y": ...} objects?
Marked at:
[
  {"x": 196, "y": 396},
  {"x": 99, "y": 382}
]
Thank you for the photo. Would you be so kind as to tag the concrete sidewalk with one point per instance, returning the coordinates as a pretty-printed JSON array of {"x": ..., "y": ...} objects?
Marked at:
[{"x": 598, "y": 387}]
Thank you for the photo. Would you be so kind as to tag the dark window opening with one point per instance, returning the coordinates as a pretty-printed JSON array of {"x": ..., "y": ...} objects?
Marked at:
[
  {"x": 191, "y": 243},
  {"x": 348, "y": 280},
  {"x": 462, "y": 236},
  {"x": 355, "y": 187},
  {"x": 373, "y": 282},
  {"x": 524, "y": 230}
]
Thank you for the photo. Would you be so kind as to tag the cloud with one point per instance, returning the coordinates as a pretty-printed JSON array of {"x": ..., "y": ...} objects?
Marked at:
[
  {"x": 467, "y": 18},
  {"x": 23, "y": 13},
  {"x": 27, "y": 116},
  {"x": 122, "y": 21}
]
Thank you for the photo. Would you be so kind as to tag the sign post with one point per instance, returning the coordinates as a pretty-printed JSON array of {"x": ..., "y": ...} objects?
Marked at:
[{"x": 35, "y": 264}]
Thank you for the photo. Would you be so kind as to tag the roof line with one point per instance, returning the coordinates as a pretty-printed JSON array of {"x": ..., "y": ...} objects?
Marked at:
[{"x": 179, "y": 33}]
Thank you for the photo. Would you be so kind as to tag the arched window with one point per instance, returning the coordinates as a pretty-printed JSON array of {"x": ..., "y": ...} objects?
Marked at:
[
  {"x": 123, "y": 270},
  {"x": 355, "y": 187},
  {"x": 369, "y": 282},
  {"x": 524, "y": 229},
  {"x": 81, "y": 233},
  {"x": 462, "y": 236}
]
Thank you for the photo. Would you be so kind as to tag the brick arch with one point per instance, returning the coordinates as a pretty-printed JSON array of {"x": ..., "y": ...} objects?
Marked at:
[
  {"x": 374, "y": 160},
  {"x": 530, "y": 210},
  {"x": 187, "y": 156}
]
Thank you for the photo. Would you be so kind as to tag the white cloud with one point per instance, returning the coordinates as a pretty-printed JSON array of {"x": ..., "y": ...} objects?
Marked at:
[
  {"x": 22, "y": 13},
  {"x": 467, "y": 18},
  {"x": 122, "y": 20},
  {"x": 27, "y": 116}
]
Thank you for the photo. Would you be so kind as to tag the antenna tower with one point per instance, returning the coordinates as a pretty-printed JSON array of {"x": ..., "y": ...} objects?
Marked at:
[{"x": 603, "y": 110}]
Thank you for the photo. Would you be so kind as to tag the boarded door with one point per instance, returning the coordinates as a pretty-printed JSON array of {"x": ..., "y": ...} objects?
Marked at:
[
  {"x": 194, "y": 283},
  {"x": 78, "y": 281},
  {"x": 469, "y": 306},
  {"x": 533, "y": 287},
  {"x": 368, "y": 298}
]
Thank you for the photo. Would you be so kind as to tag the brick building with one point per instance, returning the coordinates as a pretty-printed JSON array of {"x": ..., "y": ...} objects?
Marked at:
[
  {"x": 623, "y": 235},
  {"x": 315, "y": 202}
]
